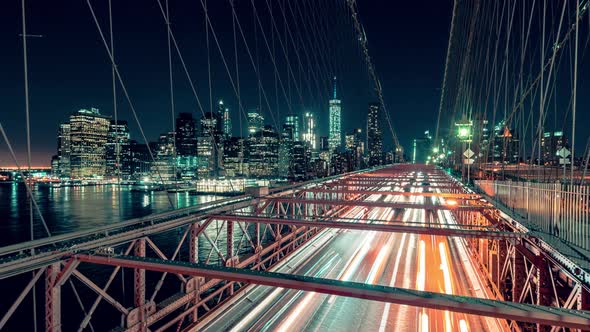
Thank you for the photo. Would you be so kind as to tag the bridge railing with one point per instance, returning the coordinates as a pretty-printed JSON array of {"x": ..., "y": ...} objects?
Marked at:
[{"x": 553, "y": 208}]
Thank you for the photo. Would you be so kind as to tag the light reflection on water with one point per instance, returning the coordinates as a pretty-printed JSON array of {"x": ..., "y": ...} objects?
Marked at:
[{"x": 70, "y": 209}]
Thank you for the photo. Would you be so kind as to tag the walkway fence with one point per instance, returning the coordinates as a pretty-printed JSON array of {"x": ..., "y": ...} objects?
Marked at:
[{"x": 553, "y": 208}]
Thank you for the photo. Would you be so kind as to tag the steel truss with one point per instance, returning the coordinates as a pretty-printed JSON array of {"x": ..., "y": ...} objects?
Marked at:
[{"x": 257, "y": 233}]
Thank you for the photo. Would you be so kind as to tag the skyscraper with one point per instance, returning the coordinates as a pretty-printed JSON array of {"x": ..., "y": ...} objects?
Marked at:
[
  {"x": 88, "y": 137},
  {"x": 118, "y": 154},
  {"x": 309, "y": 130},
  {"x": 225, "y": 119},
  {"x": 355, "y": 146},
  {"x": 374, "y": 136},
  {"x": 293, "y": 121},
  {"x": 335, "y": 137},
  {"x": 186, "y": 139},
  {"x": 264, "y": 153},
  {"x": 63, "y": 150},
  {"x": 210, "y": 145},
  {"x": 255, "y": 121}
]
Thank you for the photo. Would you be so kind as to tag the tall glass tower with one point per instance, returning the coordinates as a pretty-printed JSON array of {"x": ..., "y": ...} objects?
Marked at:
[
  {"x": 309, "y": 134},
  {"x": 335, "y": 137}
]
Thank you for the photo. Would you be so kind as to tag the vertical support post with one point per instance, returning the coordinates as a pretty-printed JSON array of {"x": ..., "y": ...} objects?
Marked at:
[
  {"x": 52, "y": 299},
  {"x": 544, "y": 292},
  {"x": 194, "y": 243},
  {"x": 139, "y": 276},
  {"x": 584, "y": 299},
  {"x": 520, "y": 275},
  {"x": 230, "y": 239},
  {"x": 501, "y": 280}
]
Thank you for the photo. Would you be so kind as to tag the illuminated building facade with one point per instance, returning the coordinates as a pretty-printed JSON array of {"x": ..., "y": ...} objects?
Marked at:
[
  {"x": 374, "y": 136},
  {"x": 309, "y": 130},
  {"x": 88, "y": 138},
  {"x": 118, "y": 153},
  {"x": 335, "y": 133},
  {"x": 63, "y": 150},
  {"x": 293, "y": 121},
  {"x": 263, "y": 147},
  {"x": 255, "y": 122}
]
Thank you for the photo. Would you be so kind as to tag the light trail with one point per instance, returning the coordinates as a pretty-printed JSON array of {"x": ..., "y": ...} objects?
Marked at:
[{"x": 398, "y": 257}]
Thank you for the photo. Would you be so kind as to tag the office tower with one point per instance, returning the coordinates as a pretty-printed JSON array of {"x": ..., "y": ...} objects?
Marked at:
[
  {"x": 117, "y": 150},
  {"x": 226, "y": 120},
  {"x": 300, "y": 158},
  {"x": 255, "y": 121},
  {"x": 309, "y": 130},
  {"x": 335, "y": 136},
  {"x": 63, "y": 150},
  {"x": 324, "y": 143},
  {"x": 141, "y": 160},
  {"x": 88, "y": 137},
  {"x": 374, "y": 136},
  {"x": 356, "y": 147},
  {"x": 293, "y": 121},
  {"x": 285, "y": 149},
  {"x": 233, "y": 157},
  {"x": 264, "y": 153},
  {"x": 210, "y": 146},
  {"x": 163, "y": 168},
  {"x": 186, "y": 138}
]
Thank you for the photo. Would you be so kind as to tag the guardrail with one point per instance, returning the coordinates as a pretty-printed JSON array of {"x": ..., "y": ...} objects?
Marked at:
[{"x": 553, "y": 208}]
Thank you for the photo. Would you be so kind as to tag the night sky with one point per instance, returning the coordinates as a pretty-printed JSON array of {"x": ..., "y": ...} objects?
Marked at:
[{"x": 69, "y": 68}]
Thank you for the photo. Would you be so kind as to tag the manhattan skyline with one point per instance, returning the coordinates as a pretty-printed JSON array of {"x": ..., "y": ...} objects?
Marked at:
[{"x": 85, "y": 79}]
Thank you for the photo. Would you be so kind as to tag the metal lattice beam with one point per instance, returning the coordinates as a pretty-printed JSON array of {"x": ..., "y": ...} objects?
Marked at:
[{"x": 577, "y": 319}]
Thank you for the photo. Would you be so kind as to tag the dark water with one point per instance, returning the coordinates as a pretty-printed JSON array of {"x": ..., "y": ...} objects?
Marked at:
[
  {"x": 75, "y": 208},
  {"x": 70, "y": 209}
]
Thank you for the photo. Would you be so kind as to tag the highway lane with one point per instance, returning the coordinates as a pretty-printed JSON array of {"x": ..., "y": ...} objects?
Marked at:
[{"x": 423, "y": 262}]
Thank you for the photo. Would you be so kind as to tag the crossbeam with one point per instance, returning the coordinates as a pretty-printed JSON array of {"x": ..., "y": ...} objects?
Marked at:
[
  {"x": 390, "y": 193},
  {"x": 428, "y": 229},
  {"x": 577, "y": 319},
  {"x": 379, "y": 204}
]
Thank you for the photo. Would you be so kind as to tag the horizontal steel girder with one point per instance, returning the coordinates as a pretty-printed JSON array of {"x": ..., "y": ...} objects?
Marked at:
[
  {"x": 390, "y": 193},
  {"x": 576, "y": 319},
  {"x": 423, "y": 228},
  {"x": 379, "y": 204}
]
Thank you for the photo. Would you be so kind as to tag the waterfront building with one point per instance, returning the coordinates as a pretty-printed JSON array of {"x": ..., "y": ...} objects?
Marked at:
[
  {"x": 140, "y": 160},
  {"x": 186, "y": 139},
  {"x": 117, "y": 150},
  {"x": 63, "y": 150},
  {"x": 88, "y": 138}
]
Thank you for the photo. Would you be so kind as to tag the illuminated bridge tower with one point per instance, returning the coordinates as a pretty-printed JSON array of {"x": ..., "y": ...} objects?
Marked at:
[{"x": 335, "y": 137}]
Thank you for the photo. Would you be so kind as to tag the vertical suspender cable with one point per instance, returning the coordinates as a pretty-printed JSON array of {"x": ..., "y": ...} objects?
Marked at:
[
  {"x": 115, "y": 111},
  {"x": 27, "y": 116},
  {"x": 574, "y": 96},
  {"x": 172, "y": 112}
]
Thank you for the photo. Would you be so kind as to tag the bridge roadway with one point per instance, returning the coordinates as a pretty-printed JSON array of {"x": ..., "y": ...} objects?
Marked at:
[
  {"x": 396, "y": 253},
  {"x": 415, "y": 261}
]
